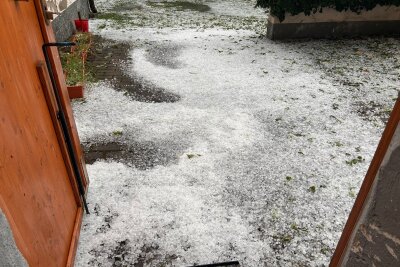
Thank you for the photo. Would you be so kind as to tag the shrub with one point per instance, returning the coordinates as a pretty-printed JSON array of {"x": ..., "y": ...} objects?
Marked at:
[{"x": 280, "y": 7}]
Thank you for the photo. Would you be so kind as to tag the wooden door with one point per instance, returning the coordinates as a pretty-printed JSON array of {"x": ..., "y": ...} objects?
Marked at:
[{"x": 37, "y": 193}]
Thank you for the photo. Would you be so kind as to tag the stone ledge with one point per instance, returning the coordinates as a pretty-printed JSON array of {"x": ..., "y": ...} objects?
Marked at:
[{"x": 382, "y": 20}]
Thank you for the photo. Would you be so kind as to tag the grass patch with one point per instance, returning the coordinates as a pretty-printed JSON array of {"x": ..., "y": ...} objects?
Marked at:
[
  {"x": 73, "y": 60},
  {"x": 126, "y": 6},
  {"x": 114, "y": 17},
  {"x": 181, "y": 5}
]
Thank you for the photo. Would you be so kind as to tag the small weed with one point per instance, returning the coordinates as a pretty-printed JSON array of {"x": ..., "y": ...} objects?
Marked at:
[
  {"x": 297, "y": 228},
  {"x": 312, "y": 189},
  {"x": 326, "y": 251},
  {"x": 299, "y": 134},
  {"x": 284, "y": 239},
  {"x": 289, "y": 178},
  {"x": 190, "y": 156},
  {"x": 354, "y": 161},
  {"x": 117, "y": 133},
  {"x": 351, "y": 192},
  {"x": 274, "y": 214},
  {"x": 116, "y": 18},
  {"x": 102, "y": 26},
  {"x": 338, "y": 144}
]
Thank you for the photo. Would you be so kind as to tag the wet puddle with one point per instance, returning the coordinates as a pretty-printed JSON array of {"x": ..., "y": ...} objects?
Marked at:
[{"x": 105, "y": 62}]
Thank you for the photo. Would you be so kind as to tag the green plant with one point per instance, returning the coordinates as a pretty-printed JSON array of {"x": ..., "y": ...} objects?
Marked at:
[
  {"x": 117, "y": 133},
  {"x": 312, "y": 189},
  {"x": 280, "y": 7},
  {"x": 73, "y": 61},
  {"x": 354, "y": 161}
]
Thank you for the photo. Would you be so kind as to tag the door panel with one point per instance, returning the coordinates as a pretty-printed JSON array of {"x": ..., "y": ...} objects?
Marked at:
[{"x": 35, "y": 186}]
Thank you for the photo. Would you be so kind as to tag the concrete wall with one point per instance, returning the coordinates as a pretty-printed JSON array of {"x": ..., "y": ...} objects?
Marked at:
[
  {"x": 58, "y": 5},
  {"x": 376, "y": 238},
  {"x": 9, "y": 253},
  {"x": 382, "y": 20},
  {"x": 63, "y": 24}
]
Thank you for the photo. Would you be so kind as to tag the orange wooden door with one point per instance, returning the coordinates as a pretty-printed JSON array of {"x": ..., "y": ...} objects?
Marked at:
[{"x": 36, "y": 193}]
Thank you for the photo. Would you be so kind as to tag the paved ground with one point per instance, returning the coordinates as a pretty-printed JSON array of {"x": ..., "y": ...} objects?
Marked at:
[{"x": 209, "y": 143}]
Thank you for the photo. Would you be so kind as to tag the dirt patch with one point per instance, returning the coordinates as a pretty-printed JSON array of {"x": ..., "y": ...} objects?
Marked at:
[
  {"x": 141, "y": 155},
  {"x": 105, "y": 62},
  {"x": 181, "y": 6}
]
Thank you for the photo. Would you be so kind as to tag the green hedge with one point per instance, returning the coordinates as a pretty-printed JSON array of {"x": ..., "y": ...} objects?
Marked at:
[{"x": 280, "y": 7}]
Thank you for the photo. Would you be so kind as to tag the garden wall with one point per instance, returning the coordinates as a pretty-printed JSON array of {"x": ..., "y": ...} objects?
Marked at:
[
  {"x": 58, "y": 5},
  {"x": 63, "y": 24},
  {"x": 382, "y": 20}
]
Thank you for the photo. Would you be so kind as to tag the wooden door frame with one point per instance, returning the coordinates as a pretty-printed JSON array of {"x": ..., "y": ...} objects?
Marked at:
[
  {"x": 48, "y": 37},
  {"x": 53, "y": 109},
  {"x": 366, "y": 186}
]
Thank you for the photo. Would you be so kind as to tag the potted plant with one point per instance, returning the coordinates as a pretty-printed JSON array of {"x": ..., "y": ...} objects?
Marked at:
[{"x": 73, "y": 62}]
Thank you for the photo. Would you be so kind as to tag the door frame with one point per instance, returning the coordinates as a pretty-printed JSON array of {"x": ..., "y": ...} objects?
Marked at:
[
  {"x": 47, "y": 90},
  {"x": 360, "y": 204}
]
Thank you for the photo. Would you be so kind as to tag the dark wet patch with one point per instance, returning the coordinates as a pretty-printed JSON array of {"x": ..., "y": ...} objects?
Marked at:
[
  {"x": 149, "y": 255},
  {"x": 141, "y": 155},
  {"x": 105, "y": 62},
  {"x": 181, "y": 5},
  {"x": 164, "y": 55},
  {"x": 106, "y": 225},
  {"x": 372, "y": 110},
  {"x": 120, "y": 253},
  {"x": 123, "y": 6}
]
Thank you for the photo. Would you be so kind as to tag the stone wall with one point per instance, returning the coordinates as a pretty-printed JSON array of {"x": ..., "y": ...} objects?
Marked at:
[
  {"x": 63, "y": 24},
  {"x": 382, "y": 20},
  {"x": 58, "y": 5}
]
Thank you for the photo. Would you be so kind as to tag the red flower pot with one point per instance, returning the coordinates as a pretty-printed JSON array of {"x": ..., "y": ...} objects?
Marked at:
[
  {"x": 82, "y": 25},
  {"x": 75, "y": 91}
]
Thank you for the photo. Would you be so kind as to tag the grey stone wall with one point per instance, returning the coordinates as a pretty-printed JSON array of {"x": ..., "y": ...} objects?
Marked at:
[
  {"x": 63, "y": 24},
  {"x": 332, "y": 30},
  {"x": 9, "y": 253},
  {"x": 376, "y": 238}
]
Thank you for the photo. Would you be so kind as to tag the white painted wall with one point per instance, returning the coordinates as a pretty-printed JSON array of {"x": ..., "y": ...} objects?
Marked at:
[{"x": 58, "y": 5}]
